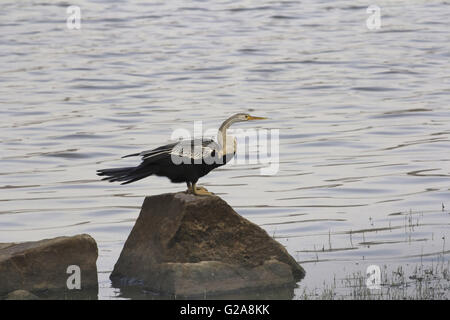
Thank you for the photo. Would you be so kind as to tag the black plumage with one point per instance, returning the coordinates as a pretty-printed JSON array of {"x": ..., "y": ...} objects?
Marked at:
[{"x": 177, "y": 161}]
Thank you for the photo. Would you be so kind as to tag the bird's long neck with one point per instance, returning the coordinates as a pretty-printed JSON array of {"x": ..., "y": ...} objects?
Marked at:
[{"x": 222, "y": 135}]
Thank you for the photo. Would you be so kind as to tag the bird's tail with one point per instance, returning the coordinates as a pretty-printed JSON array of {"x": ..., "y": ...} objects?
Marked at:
[{"x": 126, "y": 174}]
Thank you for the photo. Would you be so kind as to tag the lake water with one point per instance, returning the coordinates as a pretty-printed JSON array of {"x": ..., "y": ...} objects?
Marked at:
[{"x": 363, "y": 116}]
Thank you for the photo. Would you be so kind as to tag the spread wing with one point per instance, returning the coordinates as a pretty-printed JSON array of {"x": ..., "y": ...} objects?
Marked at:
[{"x": 191, "y": 149}]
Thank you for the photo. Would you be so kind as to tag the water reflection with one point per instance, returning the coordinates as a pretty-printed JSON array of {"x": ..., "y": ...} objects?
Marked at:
[{"x": 284, "y": 293}]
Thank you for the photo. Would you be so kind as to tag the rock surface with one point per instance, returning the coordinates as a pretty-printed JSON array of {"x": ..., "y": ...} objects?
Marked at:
[
  {"x": 188, "y": 245},
  {"x": 42, "y": 265}
]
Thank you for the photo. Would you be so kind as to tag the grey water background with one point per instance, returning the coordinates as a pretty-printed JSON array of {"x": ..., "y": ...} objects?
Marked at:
[{"x": 363, "y": 115}]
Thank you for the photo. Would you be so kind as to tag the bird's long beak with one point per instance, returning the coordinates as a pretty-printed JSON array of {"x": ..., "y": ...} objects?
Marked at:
[{"x": 256, "y": 118}]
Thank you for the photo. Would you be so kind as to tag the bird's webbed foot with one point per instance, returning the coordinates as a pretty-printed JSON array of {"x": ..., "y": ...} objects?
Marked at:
[{"x": 200, "y": 191}]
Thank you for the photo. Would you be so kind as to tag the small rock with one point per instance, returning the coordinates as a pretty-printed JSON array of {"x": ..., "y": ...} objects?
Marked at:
[
  {"x": 43, "y": 265},
  {"x": 188, "y": 245}
]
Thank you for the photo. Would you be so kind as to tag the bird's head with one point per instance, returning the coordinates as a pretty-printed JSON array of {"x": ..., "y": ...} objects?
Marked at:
[
  {"x": 238, "y": 117},
  {"x": 241, "y": 117}
]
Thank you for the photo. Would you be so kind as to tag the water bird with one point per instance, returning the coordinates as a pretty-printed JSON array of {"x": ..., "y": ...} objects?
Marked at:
[{"x": 183, "y": 161}]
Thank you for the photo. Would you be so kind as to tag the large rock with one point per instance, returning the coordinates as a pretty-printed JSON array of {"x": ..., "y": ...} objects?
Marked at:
[
  {"x": 189, "y": 245},
  {"x": 42, "y": 266}
]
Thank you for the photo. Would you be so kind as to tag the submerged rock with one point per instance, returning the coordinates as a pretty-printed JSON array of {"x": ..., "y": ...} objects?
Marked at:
[
  {"x": 42, "y": 266},
  {"x": 188, "y": 245},
  {"x": 21, "y": 295}
]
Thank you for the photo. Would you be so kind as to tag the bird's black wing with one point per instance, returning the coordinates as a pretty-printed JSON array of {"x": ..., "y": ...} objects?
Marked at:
[
  {"x": 149, "y": 153},
  {"x": 162, "y": 160},
  {"x": 193, "y": 149}
]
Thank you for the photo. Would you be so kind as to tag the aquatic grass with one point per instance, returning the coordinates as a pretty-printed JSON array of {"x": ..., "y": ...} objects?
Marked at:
[{"x": 423, "y": 282}]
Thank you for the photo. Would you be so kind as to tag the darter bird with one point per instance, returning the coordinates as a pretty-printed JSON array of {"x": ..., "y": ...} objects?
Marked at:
[{"x": 183, "y": 161}]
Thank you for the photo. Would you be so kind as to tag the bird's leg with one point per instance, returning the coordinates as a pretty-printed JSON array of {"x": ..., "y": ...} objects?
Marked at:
[
  {"x": 200, "y": 191},
  {"x": 189, "y": 187}
]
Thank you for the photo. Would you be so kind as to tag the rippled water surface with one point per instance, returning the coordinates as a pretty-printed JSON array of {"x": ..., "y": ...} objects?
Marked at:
[{"x": 364, "y": 120}]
